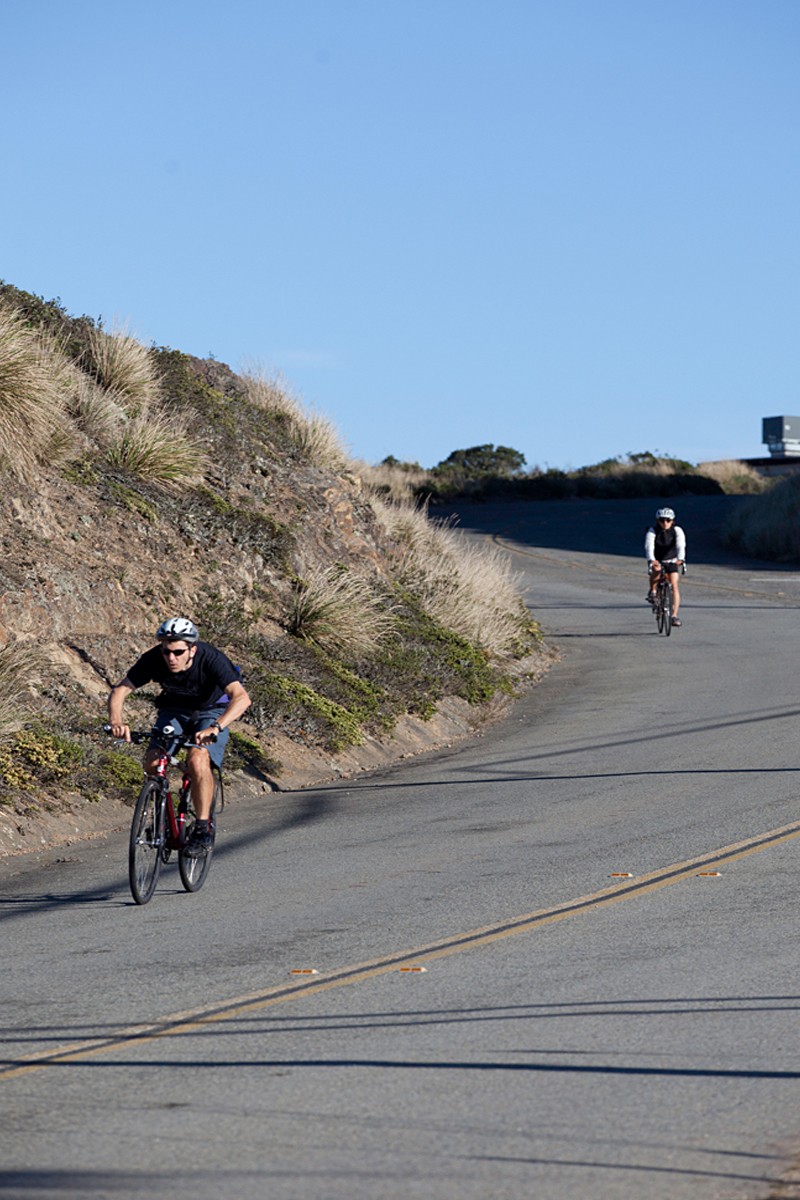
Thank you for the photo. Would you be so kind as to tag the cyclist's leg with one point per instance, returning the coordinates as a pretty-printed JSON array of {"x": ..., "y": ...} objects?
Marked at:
[
  {"x": 198, "y": 765},
  {"x": 199, "y": 760},
  {"x": 655, "y": 571},
  {"x": 674, "y": 576}
]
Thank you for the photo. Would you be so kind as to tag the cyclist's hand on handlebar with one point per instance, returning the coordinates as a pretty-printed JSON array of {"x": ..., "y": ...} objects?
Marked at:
[
  {"x": 206, "y": 735},
  {"x": 123, "y": 732}
]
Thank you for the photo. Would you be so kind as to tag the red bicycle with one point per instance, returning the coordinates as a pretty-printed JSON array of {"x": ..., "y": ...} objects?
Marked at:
[
  {"x": 664, "y": 598},
  {"x": 160, "y": 826}
]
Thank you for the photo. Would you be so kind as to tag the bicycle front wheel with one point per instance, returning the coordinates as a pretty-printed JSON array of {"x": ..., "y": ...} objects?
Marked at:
[
  {"x": 144, "y": 855},
  {"x": 660, "y": 609},
  {"x": 194, "y": 870},
  {"x": 668, "y": 609}
]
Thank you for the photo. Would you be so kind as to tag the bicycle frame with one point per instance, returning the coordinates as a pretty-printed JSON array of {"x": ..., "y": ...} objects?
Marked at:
[
  {"x": 174, "y": 828},
  {"x": 662, "y": 606}
]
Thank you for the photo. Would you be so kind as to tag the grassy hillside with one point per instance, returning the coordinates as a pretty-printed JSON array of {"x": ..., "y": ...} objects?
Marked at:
[
  {"x": 139, "y": 483},
  {"x": 768, "y": 526}
]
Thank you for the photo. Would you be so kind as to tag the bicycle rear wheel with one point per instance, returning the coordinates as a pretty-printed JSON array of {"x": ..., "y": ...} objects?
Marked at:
[
  {"x": 194, "y": 870},
  {"x": 144, "y": 852}
]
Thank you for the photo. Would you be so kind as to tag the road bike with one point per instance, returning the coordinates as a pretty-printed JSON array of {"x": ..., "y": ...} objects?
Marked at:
[
  {"x": 663, "y": 603},
  {"x": 160, "y": 825}
]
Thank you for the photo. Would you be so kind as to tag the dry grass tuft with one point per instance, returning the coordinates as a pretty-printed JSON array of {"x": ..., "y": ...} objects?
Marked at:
[
  {"x": 124, "y": 367},
  {"x": 396, "y": 484},
  {"x": 270, "y": 392},
  {"x": 319, "y": 441},
  {"x": 315, "y": 436},
  {"x": 99, "y": 413},
  {"x": 470, "y": 587},
  {"x": 768, "y": 526},
  {"x": 339, "y": 611},
  {"x": 736, "y": 478},
  {"x": 155, "y": 446},
  {"x": 33, "y": 420},
  {"x": 21, "y": 665}
]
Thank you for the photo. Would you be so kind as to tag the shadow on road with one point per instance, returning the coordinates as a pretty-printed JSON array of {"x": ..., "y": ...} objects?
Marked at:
[
  {"x": 606, "y": 527},
  {"x": 302, "y": 808}
]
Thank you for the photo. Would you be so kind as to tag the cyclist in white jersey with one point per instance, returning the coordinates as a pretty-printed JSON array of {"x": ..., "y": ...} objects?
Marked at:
[{"x": 665, "y": 548}]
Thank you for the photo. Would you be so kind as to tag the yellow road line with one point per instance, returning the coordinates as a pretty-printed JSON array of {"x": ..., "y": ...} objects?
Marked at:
[{"x": 195, "y": 1019}]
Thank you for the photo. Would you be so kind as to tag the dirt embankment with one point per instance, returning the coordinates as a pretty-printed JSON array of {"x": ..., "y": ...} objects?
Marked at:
[{"x": 89, "y": 569}]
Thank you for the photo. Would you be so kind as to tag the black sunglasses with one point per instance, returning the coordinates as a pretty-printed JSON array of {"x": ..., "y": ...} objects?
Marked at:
[{"x": 165, "y": 650}]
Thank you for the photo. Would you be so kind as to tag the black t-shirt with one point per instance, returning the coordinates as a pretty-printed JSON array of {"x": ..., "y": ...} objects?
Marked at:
[{"x": 202, "y": 685}]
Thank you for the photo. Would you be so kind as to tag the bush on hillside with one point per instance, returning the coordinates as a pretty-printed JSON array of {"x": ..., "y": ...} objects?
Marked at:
[
  {"x": 737, "y": 478},
  {"x": 768, "y": 526},
  {"x": 484, "y": 473}
]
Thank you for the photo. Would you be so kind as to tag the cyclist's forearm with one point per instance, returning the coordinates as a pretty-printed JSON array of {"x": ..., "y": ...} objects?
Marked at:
[
  {"x": 116, "y": 700},
  {"x": 233, "y": 710}
]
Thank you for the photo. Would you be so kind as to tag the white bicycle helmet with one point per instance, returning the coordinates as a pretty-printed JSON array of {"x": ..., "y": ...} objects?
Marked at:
[
  {"x": 175, "y": 628},
  {"x": 666, "y": 513}
]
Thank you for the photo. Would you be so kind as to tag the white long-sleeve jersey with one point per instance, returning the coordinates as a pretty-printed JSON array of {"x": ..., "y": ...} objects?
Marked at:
[{"x": 650, "y": 544}]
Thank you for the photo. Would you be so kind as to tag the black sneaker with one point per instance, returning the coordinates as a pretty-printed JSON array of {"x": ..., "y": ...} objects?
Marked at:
[
  {"x": 650, "y": 598},
  {"x": 676, "y": 623},
  {"x": 201, "y": 840}
]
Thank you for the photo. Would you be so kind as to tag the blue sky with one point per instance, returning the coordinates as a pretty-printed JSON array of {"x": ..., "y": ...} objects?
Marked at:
[{"x": 566, "y": 226}]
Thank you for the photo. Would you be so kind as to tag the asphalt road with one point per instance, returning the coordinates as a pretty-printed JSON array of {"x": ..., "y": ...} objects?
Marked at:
[{"x": 601, "y": 892}]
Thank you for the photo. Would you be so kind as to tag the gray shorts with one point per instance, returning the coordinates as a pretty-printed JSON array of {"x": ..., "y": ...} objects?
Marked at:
[{"x": 181, "y": 721}]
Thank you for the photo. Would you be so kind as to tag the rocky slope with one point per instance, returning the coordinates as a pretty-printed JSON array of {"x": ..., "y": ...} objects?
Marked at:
[{"x": 94, "y": 556}]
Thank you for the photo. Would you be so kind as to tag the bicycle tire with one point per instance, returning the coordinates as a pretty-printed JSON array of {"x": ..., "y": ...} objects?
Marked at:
[
  {"x": 194, "y": 870},
  {"x": 660, "y": 609},
  {"x": 144, "y": 852},
  {"x": 668, "y": 609}
]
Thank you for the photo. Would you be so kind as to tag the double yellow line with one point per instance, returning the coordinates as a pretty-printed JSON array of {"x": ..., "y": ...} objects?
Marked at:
[{"x": 311, "y": 985}]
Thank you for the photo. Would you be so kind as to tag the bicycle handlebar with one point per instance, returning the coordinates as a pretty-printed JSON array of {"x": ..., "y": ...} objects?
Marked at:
[
  {"x": 167, "y": 734},
  {"x": 672, "y": 561}
]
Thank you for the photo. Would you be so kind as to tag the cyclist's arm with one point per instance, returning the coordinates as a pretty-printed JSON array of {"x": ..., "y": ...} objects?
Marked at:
[
  {"x": 238, "y": 703},
  {"x": 650, "y": 546},
  {"x": 116, "y": 699},
  {"x": 680, "y": 544}
]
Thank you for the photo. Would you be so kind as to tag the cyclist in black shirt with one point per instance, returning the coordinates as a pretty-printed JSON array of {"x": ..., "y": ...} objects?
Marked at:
[{"x": 201, "y": 690}]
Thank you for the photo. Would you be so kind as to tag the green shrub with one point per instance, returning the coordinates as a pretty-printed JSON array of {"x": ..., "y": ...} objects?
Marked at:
[
  {"x": 305, "y": 711},
  {"x": 36, "y": 757},
  {"x": 246, "y": 754},
  {"x": 121, "y": 770}
]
